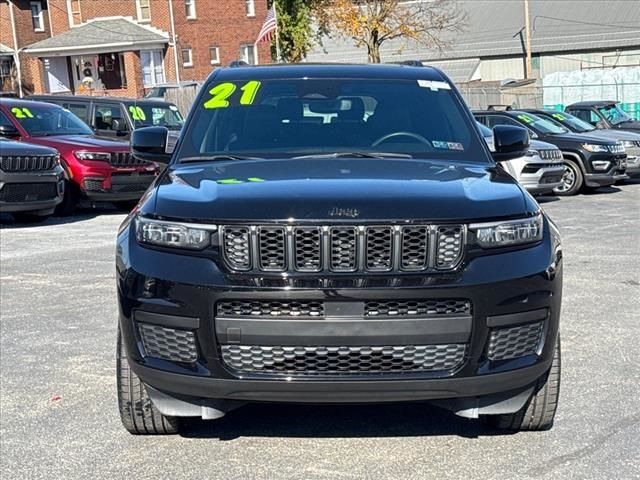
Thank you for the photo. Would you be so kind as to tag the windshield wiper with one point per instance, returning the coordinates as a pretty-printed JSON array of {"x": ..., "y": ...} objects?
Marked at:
[
  {"x": 355, "y": 155},
  {"x": 213, "y": 158}
]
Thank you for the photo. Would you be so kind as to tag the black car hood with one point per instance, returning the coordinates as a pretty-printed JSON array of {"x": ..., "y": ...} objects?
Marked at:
[
  {"x": 337, "y": 189},
  {"x": 635, "y": 126}
]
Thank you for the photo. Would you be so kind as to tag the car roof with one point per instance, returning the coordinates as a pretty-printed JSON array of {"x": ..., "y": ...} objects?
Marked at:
[
  {"x": 99, "y": 99},
  {"x": 329, "y": 70},
  {"x": 593, "y": 103},
  {"x": 19, "y": 102}
]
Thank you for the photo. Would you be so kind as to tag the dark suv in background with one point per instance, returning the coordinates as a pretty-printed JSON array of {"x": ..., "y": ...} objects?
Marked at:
[
  {"x": 118, "y": 117},
  {"x": 604, "y": 114},
  {"x": 589, "y": 161},
  {"x": 336, "y": 234},
  {"x": 31, "y": 180}
]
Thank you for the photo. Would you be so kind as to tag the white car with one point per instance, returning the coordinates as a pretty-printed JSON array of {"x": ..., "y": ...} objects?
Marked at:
[{"x": 540, "y": 171}]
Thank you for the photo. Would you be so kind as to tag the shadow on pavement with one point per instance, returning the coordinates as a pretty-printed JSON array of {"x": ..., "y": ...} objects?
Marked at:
[
  {"x": 547, "y": 199},
  {"x": 7, "y": 221},
  {"x": 337, "y": 421}
]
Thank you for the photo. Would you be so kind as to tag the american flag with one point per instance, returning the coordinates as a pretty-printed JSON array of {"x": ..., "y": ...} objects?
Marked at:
[{"x": 269, "y": 27}]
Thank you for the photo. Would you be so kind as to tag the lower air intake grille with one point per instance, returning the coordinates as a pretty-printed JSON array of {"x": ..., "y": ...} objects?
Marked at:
[
  {"x": 330, "y": 361},
  {"x": 406, "y": 308},
  {"x": 239, "y": 308},
  {"x": 28, "y": 192},
  {"x": 514, "y": 342},
  {"x": 168, "y": 343}
]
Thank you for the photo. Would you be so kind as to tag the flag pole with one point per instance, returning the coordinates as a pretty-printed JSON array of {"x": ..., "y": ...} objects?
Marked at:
[{"x": 275, "y": 15}]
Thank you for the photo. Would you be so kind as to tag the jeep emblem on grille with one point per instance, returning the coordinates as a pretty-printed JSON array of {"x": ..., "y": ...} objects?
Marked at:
[{"x": 344, "y": 212}]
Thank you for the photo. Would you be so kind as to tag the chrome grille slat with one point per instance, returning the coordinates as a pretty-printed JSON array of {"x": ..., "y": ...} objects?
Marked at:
[
  {"x": 342, "y": 248},
  {"x": 125, "y": 159},
  {"x": 26, "y": 163}
]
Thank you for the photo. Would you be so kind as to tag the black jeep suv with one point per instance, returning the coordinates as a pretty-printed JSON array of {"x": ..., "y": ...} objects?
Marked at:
[
  {"x": 336, "y": 234},
  {"x": 589, "y": 161}
]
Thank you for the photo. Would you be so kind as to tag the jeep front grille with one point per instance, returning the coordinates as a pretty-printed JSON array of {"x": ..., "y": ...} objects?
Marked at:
[
  {"x": 417, "y": 308},
  {"x": 372, "y": 248},
  {"x": 297, "y": 309},
  {"x": 28, "y": 163},
  {"x": 342, "y": 360},
  {"x": 125, "y": 159}
]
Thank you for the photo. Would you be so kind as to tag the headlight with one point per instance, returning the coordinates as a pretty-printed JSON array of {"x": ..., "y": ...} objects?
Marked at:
[
  {"x": 505, "y": 234},
  {"x": 174, "y": 234},
  {"x": 95, "y": 156},
  {"x": 630, "y": 143},
  {"x": 590, "y": 147},
  {"x": 533, "y": 153}
]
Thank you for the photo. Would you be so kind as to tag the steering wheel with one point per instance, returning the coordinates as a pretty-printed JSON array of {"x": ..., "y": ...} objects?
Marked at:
[{"x": 389, "y": 136}]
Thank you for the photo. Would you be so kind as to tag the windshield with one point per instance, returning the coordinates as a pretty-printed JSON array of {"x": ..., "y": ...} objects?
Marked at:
[
  {"x": 542, "y": 126},
  {"x": 290, "y": 118},
  {"x": 572, "y": 123},
  {"x": 45, "y": 120},
  {"x": 149, "y": 115},
  {"x": 614, "y": 114}
]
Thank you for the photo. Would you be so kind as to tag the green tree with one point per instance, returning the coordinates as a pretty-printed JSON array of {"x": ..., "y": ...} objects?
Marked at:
[{"x": 295, "y": 29}]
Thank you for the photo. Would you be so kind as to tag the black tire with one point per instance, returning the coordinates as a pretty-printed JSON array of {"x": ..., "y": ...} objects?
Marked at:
[
  {"x": 69, "y": 201},
  {"x": 572, "y": 179},
  {"x": 126, "y": 206},
  {"x": 26, "y": 217},
  {"x": 138, "y": 413},
  {"x": 540, "y": 410}
]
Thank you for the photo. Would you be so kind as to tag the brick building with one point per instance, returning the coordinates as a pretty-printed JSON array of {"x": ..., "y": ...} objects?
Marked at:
[{"x": 122, "y": 47}]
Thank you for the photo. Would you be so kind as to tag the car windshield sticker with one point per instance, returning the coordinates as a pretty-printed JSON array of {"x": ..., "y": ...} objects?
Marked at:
[
  {"x": 447, "y": 145},
  {"x": 559, "y": 116},
  {"x": 221, "y": 94},
  {"x": 434, "y": 85},
  {"x": 137, "y": 113},
  {"x": 525, "y": 118},
  {"x": 21, "y": 113}
]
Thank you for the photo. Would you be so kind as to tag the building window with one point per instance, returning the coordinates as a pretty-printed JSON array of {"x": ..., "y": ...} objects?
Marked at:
[
  {"x": 187, "y": 57},
  {"x": 190, "y": 9},
  {"x": 36, "y": 16},
  {"x": 214, "y": 55},
  {"x": 248, "y": 54},
  {"x": 251, "y": 8},
  {"x": 143, "y": 8},
  {"x": 152, "y": 67},
  {"x": 75, "y": 15}
]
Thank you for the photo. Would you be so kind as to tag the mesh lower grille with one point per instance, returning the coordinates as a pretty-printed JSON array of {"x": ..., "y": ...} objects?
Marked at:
[
  {"x": 514, "y": 342},
  {"x": 168, "y": 343},
  {"x": 417, "y": 308},
  {"x": 239, "y": 308},
  {"x": 28, "y": 192},
  {"x": 93, "y": 185},
  {"x": 344, "y": 360}
]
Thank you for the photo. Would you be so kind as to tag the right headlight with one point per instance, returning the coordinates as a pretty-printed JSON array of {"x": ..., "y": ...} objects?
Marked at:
[
  {"x": 509, "y": 233},
  {"x": 174, "y": 234}
]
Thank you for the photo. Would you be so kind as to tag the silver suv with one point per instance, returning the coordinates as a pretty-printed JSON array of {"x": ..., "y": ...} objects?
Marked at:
[{"x": 540, "y": 171}]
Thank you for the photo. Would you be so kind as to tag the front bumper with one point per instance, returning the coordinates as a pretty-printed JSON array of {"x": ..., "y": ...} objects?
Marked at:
[
  {"x": 31, "y": 191},
  {"x": 545, "y": 179},
  {"x": 181, "y": 291},
  {"x": 616, "y": 173},
  {"x": 119, "y": 186}
]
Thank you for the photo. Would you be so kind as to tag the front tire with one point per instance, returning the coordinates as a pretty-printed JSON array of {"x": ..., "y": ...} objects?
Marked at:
[
  {"x": 138, "y": 413},
  {"x": 540, "y": 410},
  {"x": 572, "y": 179}
]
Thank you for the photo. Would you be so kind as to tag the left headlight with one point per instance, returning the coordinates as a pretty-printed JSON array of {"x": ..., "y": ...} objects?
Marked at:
[
  {"x": 506, "y": 234},
  {"x": 95, "y": 156},
  {"x": 594, "y": 148},
  {"x": 173, "y": 234},
  {"x": 630, "y": 143}
]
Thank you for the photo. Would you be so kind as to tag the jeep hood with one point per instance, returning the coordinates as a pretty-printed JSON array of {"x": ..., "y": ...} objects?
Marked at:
[
  {"x": 337, "y": 189},
  {"x": 78, "y": 142}
]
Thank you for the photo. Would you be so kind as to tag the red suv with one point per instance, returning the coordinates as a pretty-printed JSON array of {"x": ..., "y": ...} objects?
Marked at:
[{"x": 97, "y": 169}]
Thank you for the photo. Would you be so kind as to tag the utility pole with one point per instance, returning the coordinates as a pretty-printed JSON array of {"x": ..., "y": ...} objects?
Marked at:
[
  {"x": 527, "y": 33},
  {"x": 16, "y": 50}
]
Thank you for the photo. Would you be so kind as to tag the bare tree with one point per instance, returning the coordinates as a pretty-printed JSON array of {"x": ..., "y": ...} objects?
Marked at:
[{"x": 374, "y": 22}]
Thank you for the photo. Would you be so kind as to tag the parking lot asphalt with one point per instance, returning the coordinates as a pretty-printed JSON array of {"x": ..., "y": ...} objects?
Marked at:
[{"x": 58, "y": 411}]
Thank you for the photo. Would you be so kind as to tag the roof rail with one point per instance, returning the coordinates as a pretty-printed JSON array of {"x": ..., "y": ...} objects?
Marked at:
[
  {"x": 238, "y": 63},
  {"x": 411, "y": 63}
]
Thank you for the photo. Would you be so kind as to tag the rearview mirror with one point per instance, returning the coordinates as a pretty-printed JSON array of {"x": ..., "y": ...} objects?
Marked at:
[
  {"x": 150, "y": 144},
  {"x": 9, "y": 131},
  {"x": 509, "y": 142}
]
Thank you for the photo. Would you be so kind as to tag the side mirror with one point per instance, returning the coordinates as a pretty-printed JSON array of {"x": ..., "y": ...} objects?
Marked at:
[
  {"x": 150, "y": 144},
  {"x": 118, "y": 125},
  {"x": 510, "y": 142},
  {"x": 9, "y": 131}
]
